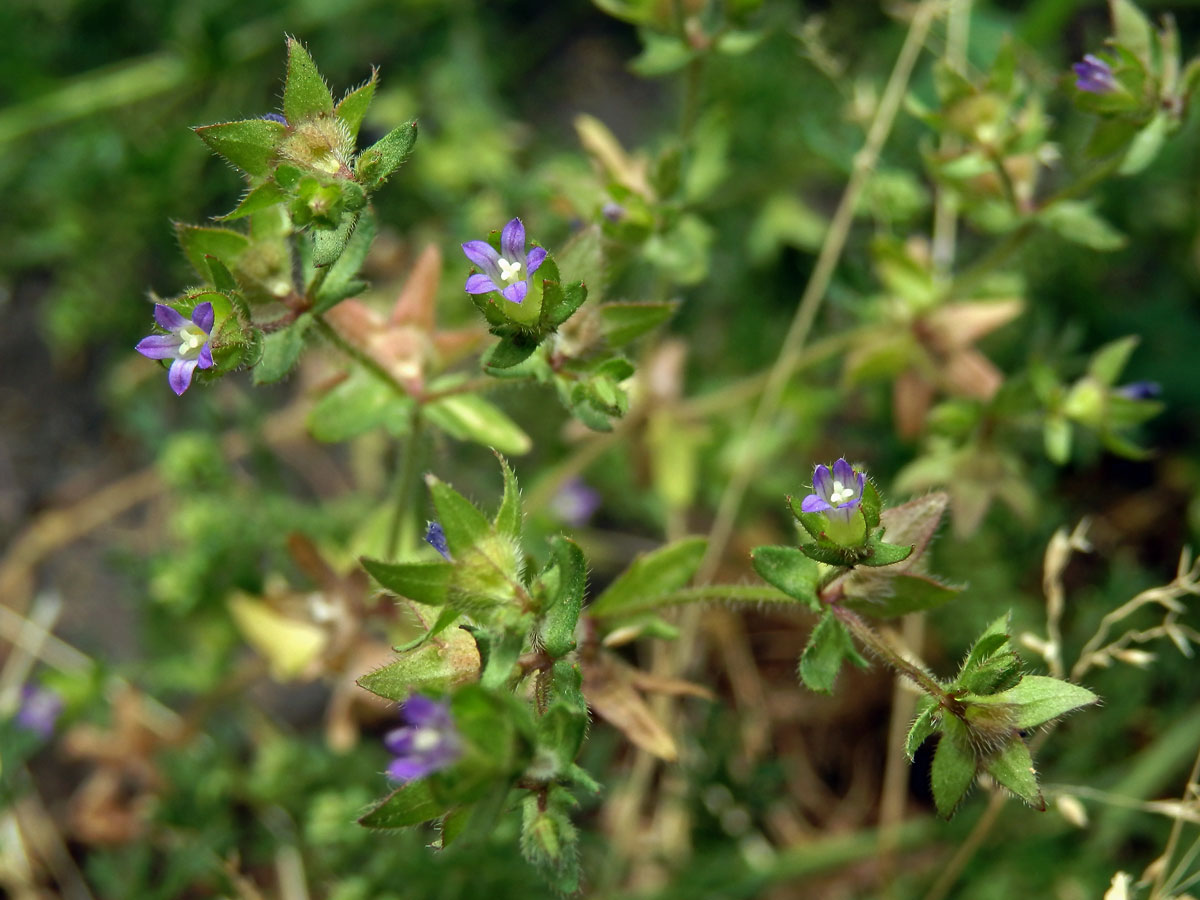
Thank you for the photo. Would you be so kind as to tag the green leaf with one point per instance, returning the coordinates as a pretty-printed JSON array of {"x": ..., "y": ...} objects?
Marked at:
[
  {"x": 789, "y": 570},
  {"x": 1039, "y": 698},
  {"x": 871, "y": 504},
  {"x": 411, "y": 804},
  {"x": 906, "y": 594},
  {"x": 1013, "y": 768},
  {"x": 357, "y": 405},
  {"x": 1076, "y": 221},
  {"x": 464, "y": 524},
  {"x": 569, "y": 583},
  {"x": 662, "y": 54},
  {"x": 991, "y": 665},
  {"x": 1131, "y": 29},
  {"x": 201, "y": 241},
  {"x": 884, "y": 554},
  {"x": 624, "y": 322},
  {"x": 1109, "y": 361},
  {"x": 250, "y": 145},
  {"x": 424, "y": 582},
  {"x": 305, "y": 93},
  {"x": 564, "y": 724},
  {"x": 329, "y": 244},
  {"x": 832, "y": 554},
  {"x": 509, "y": 517},
  {"x": 559, "y": 302},
  {"x": 341, "y": 277},
  {"x": 651, "y": 575},
  {"x": 1146, "y": 145},
  {"x": 469, "y": 417},
  {"x": 433, "y": 667},
  {"x": 1056, "y": 437},
  {"x": 828, "y": 646},
  {"x": 922, "y": 728},
  {"x": 353, "y": 107},
  {"x": 281, "y": 350},
  {"x": 953, "y": 771},
  {"x": 381, "y": 159},
  {"x": 512, "y": 350},
  {"x": 220, "y": 275},
  {"x": 262, "y": 197}
]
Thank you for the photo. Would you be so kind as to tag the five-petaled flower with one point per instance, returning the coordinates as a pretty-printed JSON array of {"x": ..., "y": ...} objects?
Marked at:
[
  {"x": 1094, "y": 75},
  {"x": 435, "y": 536},
  {"x": 507, "y": 270},
  {"x": 39, "y": 710},
  {"x": 837, "y": 493},
  {"x": 427, "y": 742},
  {"x": 187, "y": 344}
]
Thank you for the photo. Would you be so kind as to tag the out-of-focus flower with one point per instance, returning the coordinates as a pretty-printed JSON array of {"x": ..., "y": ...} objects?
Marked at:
[
  {"x": 506, "y": 270},
  {"x": 575, "y": 503},
  {"x": 1140, "y": 390},
  {"x": 39, "y": 710},
  {"x": 275, "y": 117},
  {"x": 837, "y": 493},
  {"x": 614, "y": 212},
  {"x": 187, "y": 344},
  {"x": 435, "y": 535},
  {"x": 1094, "y": 75},
  {"x": 427, "y": 742}
]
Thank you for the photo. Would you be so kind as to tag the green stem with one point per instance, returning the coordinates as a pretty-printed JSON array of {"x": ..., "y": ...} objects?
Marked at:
[
  {"x": 401, "y": 527},
  {"x": 877, "y": 645},
  {"x": 368, "y": 362}
]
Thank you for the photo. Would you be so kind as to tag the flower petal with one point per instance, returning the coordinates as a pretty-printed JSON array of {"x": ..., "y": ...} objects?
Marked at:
[
  {"x": 813, "y": 503},
  {"x": 158, "y": 346},
  {"x": 406, "y": 768},
  {"x": 512, "y": 241},
  {"x": 823, "y": 482},
  {"x": 168, "y": 318},
  {"x": 483, "y": 255},
  {"x": 843, "y": 472},
  {"x": 516, "y": 291},
  {"x": 536, "y": 257},
  {"x": 399, "y": 741},
  {"x": 203, "y": 316},
  {"x": 479, "y": 284},
  {"x": 180, "y": 375},
  {"x": 422, "y": 711},
  {"x": 205, "y": 359}
]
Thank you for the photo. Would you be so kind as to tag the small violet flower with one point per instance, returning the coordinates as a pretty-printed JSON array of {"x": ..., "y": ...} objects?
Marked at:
[
  {"x": 427, "y": 742},
  {"x": 275, "y": 117},
  {"x": 435, "y": 535},
  {"x": 187, "y": 344},
  {"x": 506, "y": 271},
  {"x": 1140, "y": 390},
  {"x": 39, "y": 710},
  {"x": 575, "y": 503},
  {"x": 1094, "y": 75},
  {"x": 836, "y": 494}
]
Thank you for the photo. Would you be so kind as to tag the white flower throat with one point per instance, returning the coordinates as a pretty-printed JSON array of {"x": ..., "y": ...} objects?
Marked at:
[
  {"x": 509, "y": 271},
  {"x": 191, "y": 339},
  {"x": 840, "y": 494},
  {"x": 425, "y": 739}
]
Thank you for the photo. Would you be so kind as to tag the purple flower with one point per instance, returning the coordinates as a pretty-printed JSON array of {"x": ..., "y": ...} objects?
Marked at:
[
  {"x": 427, "y": 742},
  {"x": 506, "y": 271},
  {"x": 39, "y": 711},
  {"x": 836, "y": 493},
  {"x": 1094, "y": 75},
  {"x": 575, "y": 502},
  {"x": 275, "y": 117},
  {"x": 187, "y": 344},
  {"x": 436, "y": 536},
  {"x": 614, "y": 212},
  {"x": 1140, "y": 390}
]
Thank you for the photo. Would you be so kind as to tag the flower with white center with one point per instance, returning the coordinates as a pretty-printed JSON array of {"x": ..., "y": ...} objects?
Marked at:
[
  {"x": 187, "y": 343},
  {"x": 836, "y": 494},
  {"x": 506, "y": 270},
  {"x": 426, "y": 743}
]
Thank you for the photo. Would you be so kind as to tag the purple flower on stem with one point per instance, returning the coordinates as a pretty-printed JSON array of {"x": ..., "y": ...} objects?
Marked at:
[
  {"x": 1094, "y": 75},
  {"x": 187, "y": 344},
  {"x": 435, "y": 535},
  {"x": 506, "y": 270},
  {"x": 575, "y": 503},
  {"x": 275, "y": 117},
  {"x": 39, "y": 711},
  {"x": 1140, "y": 390},
  {"x": 427, "y": 742},
  {"x": 837, "y": 493}
]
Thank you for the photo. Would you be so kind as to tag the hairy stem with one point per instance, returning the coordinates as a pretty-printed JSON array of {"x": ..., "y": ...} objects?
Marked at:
[
  {"x": 400, "y": 529},
  {"x": 877, "y": 645}
]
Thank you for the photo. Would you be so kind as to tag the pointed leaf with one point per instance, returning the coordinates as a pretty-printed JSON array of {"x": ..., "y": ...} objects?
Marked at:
[
  {"x": 222, "y": 278},
  {"x": 1131, "y": 29},
  {"x": 354, "y": 407},
  {"x": 650, "y": 575},
  {"x": 884, "y": 554},
  {"x": 624, "y": 322},
  {"x": 1109, "y": 361},
  {"x": 1013, "y": 768},
  {"x": 871, "y": 503},
  {"x": 469, "y": 417},
  {"x": 281, "y": 350},
  {"x": 200, "y": 241},
  {"x": 509, "y": 517},
  {"x": 828, "y": 646},
  {"x": 566, "y": 601},
  {"x": 305, "y": 93},
  {"x": 511, "y": 351},
  {"x": 1039, "y": 698},
  {"x": 424, "y": 582},
  {"x": 341, "y": 277},
  {"x": 329, "y": 244},
  {"x": 411, "y": 804},
  {"x": 464, "y": 524},
  {"x": 262, "y": 197},
  {"x": 249, "y": 145},
  {"x": 905, "y": 594},
  {"x": 376, "y": 163},
  {"x": 922, "y": 728},
  {"x": 353, "y": 107},
  {"x": 952, "y": 773},
  {"x": 789, "y": 570},
  {"x": 434, "y": 667}
]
